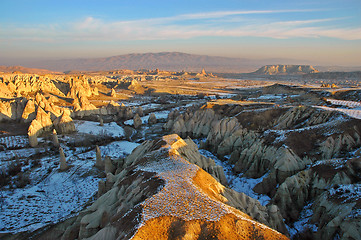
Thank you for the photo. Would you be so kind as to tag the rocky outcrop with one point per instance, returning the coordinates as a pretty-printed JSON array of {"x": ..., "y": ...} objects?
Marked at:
[
  {"x": 11, "y": 110},
  {"x": 137, "y": 121},
  {"x": 55, "y": 139},
  {"x": 42, "y": 123},
  {"x": 29, "y": 111},
  {"x": 282, "y": 148},
  {"x": 64, "y": 124},
  {"x": 25, "y": 84},
  {"x": 302, "y": 116},
  {"x": 285, "y": 69},
  {"x": 78, "y": 87},
  {"x": 334, "y": 145},
  {"x": 113, "y": 93},
  {"x": 136, "y": 87},
  {"x": 99, "y": 163},
  {"x": 157, "y": 186},
  {"x": 152, "y": 119},
  {"x": 139, "y": 111},
  {"x": 337, "y": 213},
  {"x": 63, "y": 165},
  {"x": 311, "y": 183},
  {"x": 248, "y": 152},
  {"x": 82, "y": 107}
]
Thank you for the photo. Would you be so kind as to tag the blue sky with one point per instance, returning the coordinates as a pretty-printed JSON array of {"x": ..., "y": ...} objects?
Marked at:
[{"x": 323, "y": 32}]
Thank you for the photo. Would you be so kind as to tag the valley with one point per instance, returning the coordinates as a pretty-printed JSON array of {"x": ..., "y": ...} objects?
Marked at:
[{"x": 113, "y": 154}]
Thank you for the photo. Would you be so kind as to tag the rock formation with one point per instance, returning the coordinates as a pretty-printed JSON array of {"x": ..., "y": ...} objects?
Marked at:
[
  {"x": 42, "y": 123},
  {"x": 137, "y": 121},
  {"x": 64, "y": 124},
  {"x": 285, "y": 69},
  {"x": 108, "y": 165},
  {"x": 78, "y": 87},
  {"x": 29, "y": 111},
  {"x": 55, "y": 139},
  {"x": 157, "y": 187},
  {"x": 281, "y": 145},
  {"x": 152, "y": 119},
  {"x": 139, "y": 111},
  {"x": 63, "y": 165},
  {"x": 136, "y": 87},
  {"x": 99, "y": 161},
  {"x": 113, "y": 93}
]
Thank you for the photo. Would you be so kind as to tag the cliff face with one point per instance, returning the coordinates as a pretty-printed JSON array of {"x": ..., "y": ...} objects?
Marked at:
[{"x": 285, "y": 69}]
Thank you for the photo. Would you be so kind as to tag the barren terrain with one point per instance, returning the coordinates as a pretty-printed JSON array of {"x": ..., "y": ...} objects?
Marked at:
[{"x": 117, "y": 154}]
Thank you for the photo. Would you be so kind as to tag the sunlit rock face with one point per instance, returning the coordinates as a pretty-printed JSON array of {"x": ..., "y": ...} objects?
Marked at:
[
  {"x": 158, "y": 193},
  {"x": 286, "y": 69}
]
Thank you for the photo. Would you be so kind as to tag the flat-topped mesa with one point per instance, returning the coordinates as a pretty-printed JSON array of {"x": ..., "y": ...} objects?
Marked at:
[
  {"x": 285, "y": 69},
  {"x": 157, "y": 193}
]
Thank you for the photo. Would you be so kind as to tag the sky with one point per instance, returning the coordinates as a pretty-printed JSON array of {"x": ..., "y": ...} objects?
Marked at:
[{"x": 324, "y": 32}]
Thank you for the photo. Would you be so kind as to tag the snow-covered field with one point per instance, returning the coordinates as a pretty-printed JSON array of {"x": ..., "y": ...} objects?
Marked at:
[
  {"x": 158, "y": 115},
  {"x": 51, "y": 196},
  {"x": 54, "y": 195},
  {"x": 109, "y": 129}
]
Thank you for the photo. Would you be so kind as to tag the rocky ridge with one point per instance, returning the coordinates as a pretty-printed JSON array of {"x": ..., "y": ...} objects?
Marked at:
[
  {"x": 278, "y": 144},
  {"x": 157, "y": 193}
]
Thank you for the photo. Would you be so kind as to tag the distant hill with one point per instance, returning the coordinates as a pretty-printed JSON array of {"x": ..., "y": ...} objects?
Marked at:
[
  {"x": 171, "y": 61},
  {"x": 334, "y": 75},
  {"x": 285, "y": 69},
  {"x": 10, "y": 69}
]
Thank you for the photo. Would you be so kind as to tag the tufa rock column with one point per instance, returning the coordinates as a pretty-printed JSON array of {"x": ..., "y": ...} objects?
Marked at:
[
  {"x": 55, "y": 139},
  {"x": 63, "y": 164},
  {"x": 108, "y": 165},
  {"x": 152, "y": 119},
  {"x": 99, "y": 161},
  {"x": 33, "y": 140},
  {"x": 140, "y": 111},
  {"x": 137, "y": 122}
]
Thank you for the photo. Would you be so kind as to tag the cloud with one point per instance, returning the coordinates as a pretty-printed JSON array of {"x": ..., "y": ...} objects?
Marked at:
[{"x": 206, "y": 24}]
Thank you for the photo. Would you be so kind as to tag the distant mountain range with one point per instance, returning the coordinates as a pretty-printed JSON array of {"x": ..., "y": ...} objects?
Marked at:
[
  {"x": 10, "y": 69},
  {"x": 170, "y": 61}
]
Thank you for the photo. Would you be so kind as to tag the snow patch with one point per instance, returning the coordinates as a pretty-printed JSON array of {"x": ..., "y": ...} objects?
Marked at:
[{"x": 109, "y": 129}]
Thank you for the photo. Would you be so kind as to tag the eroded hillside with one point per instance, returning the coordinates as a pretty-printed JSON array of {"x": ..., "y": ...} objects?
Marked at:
[{"x": 282, "y": 156}]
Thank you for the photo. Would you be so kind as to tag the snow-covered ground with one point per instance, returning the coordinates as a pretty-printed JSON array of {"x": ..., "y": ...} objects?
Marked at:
[
  {"x": 355, "y": 113},
  {"x": 54, "y": 195},
  {"x": 158, "y": 115},
  {"x": 351, "y": 104},
  {"x": 51, "y": 196},
  {"x": 109, "y": 129},
  {"x": 303, "y": 221},
  {"x": 273, "y": 97},
  {"x": 237, "y": 182}
]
